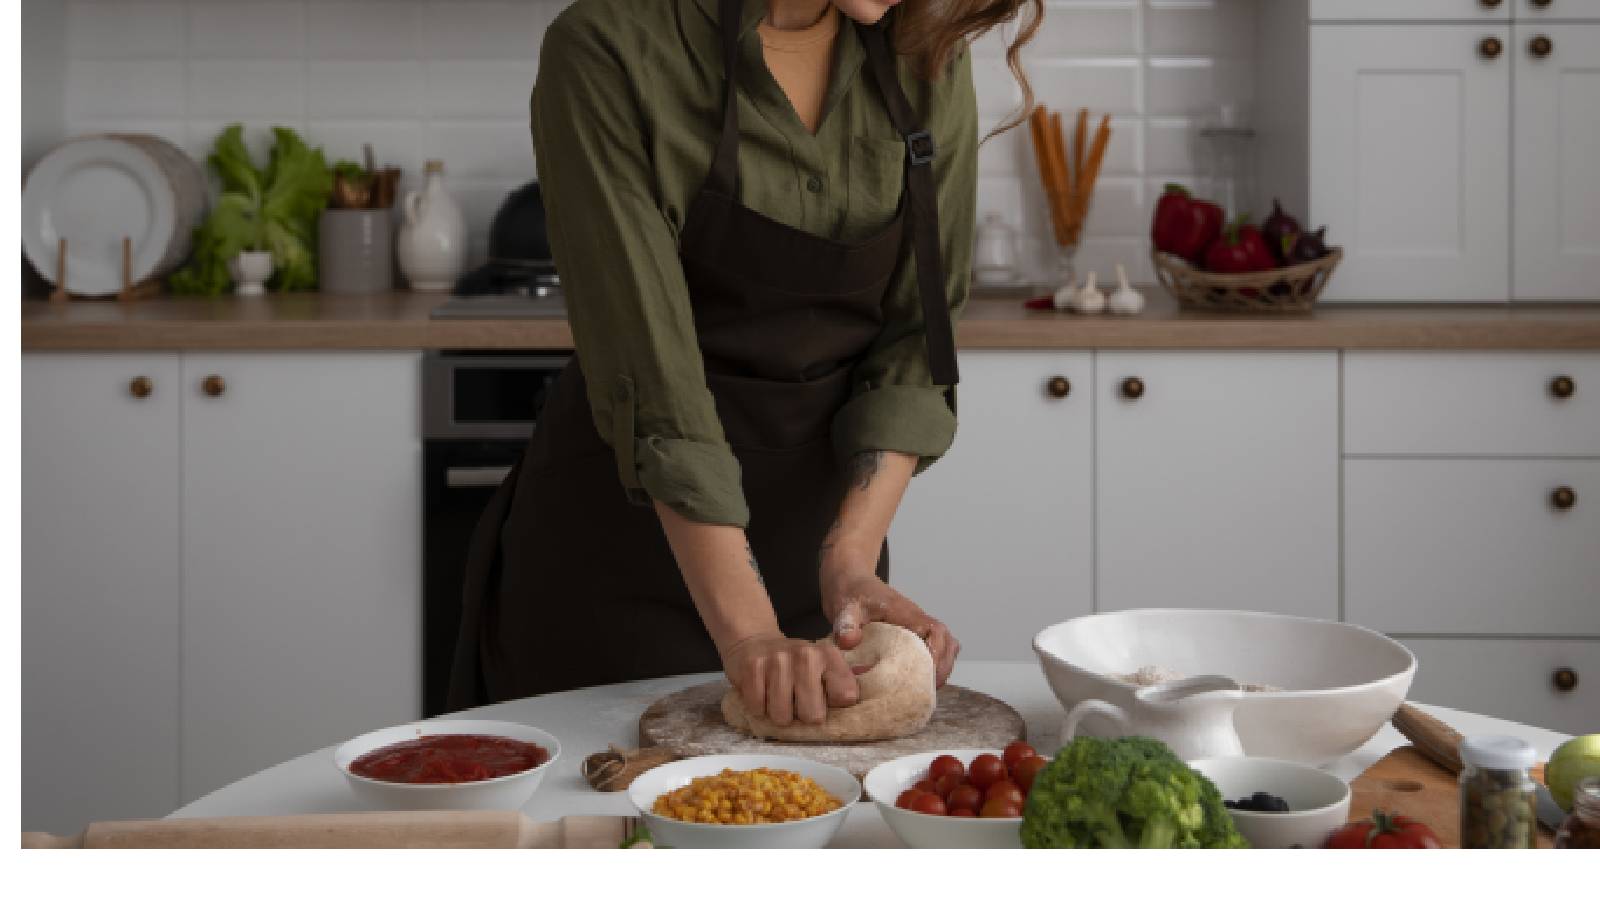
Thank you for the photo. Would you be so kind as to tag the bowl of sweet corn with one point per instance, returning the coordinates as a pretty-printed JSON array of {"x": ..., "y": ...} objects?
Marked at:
[{"x": 744, "y": 801}]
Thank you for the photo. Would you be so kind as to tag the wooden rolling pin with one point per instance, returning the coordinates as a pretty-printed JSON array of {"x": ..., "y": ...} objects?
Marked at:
[
  {"x": 1432, "y": 738},
  {"x": 453, "y": 829}
]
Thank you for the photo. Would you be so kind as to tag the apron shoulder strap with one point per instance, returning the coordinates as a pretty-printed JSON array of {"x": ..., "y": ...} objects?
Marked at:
[
  {"x": 724, "y": 177},
  {"x": 924, "y": 204}
]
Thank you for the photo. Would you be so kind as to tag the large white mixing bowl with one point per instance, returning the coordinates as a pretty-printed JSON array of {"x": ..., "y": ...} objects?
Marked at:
[{"x": 1340, "y": 682}]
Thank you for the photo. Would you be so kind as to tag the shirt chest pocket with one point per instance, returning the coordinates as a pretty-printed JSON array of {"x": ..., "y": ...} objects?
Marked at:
[{"x": 877, "y": 178}]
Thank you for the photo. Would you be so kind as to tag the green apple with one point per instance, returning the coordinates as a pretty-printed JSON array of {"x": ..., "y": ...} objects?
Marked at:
[{"x": 1572, "y": 762}]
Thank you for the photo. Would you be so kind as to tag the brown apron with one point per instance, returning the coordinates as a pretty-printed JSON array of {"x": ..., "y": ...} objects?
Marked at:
[{"x": 569, "y": 583}]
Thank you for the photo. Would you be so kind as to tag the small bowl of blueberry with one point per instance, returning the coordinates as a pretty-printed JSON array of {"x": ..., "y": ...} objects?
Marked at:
[{"x": 1278, "y": 804}]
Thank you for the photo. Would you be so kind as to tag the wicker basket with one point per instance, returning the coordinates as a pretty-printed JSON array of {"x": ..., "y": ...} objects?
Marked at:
[{"x": 1289, "y": 289}]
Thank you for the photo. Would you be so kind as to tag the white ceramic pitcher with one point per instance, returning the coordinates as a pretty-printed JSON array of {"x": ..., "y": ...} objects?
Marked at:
[
  {"x": 1193, "y": 716},
  {"x": 432, "y": 245}
]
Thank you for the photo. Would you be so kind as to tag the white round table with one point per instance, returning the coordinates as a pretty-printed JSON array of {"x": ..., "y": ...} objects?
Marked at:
[{"x": 587, "y": 721}]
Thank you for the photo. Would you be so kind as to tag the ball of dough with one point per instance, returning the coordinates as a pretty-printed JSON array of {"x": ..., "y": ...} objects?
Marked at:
[{"x": 897, "y": 694}]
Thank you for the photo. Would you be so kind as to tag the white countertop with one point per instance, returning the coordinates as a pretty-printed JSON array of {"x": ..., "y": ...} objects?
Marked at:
[{"x": 587, "y": 721}]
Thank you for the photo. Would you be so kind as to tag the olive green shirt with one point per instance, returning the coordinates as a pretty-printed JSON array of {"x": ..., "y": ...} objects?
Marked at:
[{"x": 626, "y": 114}]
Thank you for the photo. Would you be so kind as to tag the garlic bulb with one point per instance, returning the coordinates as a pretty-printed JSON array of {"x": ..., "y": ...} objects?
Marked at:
[
  {"x": 1125, "y": 301},
  {"x": 1064, "y": 296},
  {"x": 1089, "y": 299}
]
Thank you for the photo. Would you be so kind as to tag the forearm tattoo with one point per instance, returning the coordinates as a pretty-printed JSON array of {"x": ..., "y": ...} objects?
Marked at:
[
  {"x": 750, "y": 554},
  {"x": 863, "y": 467}
]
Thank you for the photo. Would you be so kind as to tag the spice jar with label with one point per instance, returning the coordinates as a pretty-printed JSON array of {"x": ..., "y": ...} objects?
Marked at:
[
  {"x": 1581, "y": 830},
  {"x": 1497, "y": 793}
]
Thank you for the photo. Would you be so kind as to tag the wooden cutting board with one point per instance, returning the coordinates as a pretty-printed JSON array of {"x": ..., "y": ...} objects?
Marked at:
[
  {"x": 690, "y": 723},
  {"x": 1408, "y": 782}
]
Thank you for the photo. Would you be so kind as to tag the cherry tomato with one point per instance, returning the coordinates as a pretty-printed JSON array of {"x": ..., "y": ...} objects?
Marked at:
[
  {"x": 1026, "y": 769},
  {"x": 962, "y": 813},
  {"x": 1004, "y": 790},
  {"x": 986, "y": 770},
  {"x": 926, "y": 786},
  {"x": 1000, "y": 808},
  {"x": 945, "y": 765},
  {"x": 964, "y": 797},
  {"x": 929, "y": 804},
  {"x": 1384, "y": 831},
  {"x": 1016, "y": 752},
  {"x": 905, "y": 798},
  {"x": 946, "y": 784}
]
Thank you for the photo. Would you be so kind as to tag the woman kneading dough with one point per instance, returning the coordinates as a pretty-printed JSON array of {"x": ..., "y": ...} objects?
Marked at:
[{"x": 762, "y": 213}]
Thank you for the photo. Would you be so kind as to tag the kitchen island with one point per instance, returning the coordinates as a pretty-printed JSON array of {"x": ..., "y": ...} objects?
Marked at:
[{"x": 588, "y": 721}]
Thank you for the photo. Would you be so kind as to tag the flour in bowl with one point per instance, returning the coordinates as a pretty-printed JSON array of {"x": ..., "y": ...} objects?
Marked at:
[{"x": 1153, "y": 675}]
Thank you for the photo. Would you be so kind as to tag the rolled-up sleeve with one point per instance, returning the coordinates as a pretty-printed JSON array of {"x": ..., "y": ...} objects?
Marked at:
[
  {"x": 627, "y": 300},
  {"x": 895, "y": 405}
]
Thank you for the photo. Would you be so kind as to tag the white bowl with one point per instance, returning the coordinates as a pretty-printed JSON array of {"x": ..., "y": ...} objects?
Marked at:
[
  {"x": 803, "y": 834},
  {"x": 1318, "y": 802},
  {"x": 887, "y": 780},
  {"x": 506, "y": 792},
  {"x": 1340, "y": 682}
]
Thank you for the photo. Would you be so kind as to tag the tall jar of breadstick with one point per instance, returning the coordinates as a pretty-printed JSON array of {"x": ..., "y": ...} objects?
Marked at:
[{"x": 1068, "y": 169}]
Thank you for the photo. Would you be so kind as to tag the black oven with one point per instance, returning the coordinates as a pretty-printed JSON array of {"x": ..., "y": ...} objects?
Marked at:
[{"x": 478, "y": 410}]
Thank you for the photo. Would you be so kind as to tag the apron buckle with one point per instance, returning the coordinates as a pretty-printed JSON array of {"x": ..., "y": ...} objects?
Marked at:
[{"x": 920, "y": 147}]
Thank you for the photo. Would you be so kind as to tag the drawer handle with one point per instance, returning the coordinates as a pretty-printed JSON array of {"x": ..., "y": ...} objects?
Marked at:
[
  {"x": 1133, "y": 387},
  {"x": 1541, "y": 4},
  {"x": 1058, "y": 387},
  {"x": 1541, "y": 46},
  {"x": 213, "y": 385},
  {"x": 1562, "y": 387},
  {"x": 1564, "y": 679},
  {"x": 1563, "y": 497},
  {"x": 141, "y": 387},
  {"x": 1489, "y": 4},
  {"x": 1490, "y": 48}
]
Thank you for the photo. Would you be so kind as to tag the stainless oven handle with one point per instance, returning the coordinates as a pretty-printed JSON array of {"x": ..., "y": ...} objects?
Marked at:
[{"x": 475, "y": 476}]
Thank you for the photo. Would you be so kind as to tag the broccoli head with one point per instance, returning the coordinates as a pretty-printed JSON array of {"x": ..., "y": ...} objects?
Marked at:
[{"x": 1128, "y": 792}]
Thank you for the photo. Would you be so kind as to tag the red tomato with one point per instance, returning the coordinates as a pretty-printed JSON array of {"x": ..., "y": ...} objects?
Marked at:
[
  {"x": 906, "y": 796},
  {"x": 1026, "y": 769},
  {"x": 1005, "y": 790},
  {"x": 986, "y": 770},
  {"x": 962, "y": 813},
  {"x": 929, "y": 804},
  {"x": 1384, "y": 831},
  {"x": 945, "y": 765},
  {"x": 926, "y": 786},
  {"x": 946, "y": 784},
  {"x": 964, "y": 797},
  {"x": 1000, "y": 808},
  {"x": 1016, "y": 752}
]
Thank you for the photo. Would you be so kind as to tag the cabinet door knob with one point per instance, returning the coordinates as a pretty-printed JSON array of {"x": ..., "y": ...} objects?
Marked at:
[
  {"x": 1133, "y": 387},
  {"x": 1563, "y": 497},
  {"x": 1489, "y": 4},
  {"x": 213, "y": 385},
  {"x": 1490, "y": 47},
  {"x": 1564, "y": 680},
  {"x": 1058, "y": 387},
  {"x": 1541, "y": 4},
  {"x": 1541, "y": 45},
  {"x": 141, "y": 386},
  {"x": 1562, "y": 387}
]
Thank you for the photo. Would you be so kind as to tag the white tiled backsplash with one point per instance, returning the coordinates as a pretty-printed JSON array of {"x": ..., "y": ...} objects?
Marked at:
[{"x": 449, "y": 79}]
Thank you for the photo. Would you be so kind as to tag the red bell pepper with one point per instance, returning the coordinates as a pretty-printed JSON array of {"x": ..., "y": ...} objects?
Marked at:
[
  {"x": 1239, "y": 249},
  {"x": 1184, "y": 226}
]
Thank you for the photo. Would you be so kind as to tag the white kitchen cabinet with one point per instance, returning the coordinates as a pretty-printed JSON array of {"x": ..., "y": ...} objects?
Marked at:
[
  {"x": 100, "y": 588},
  {"x": 1218, "y": 484},
  {"x": 1412, "y": 10},
  {"x": 1473, "y": 546},
  {"x": 1556, "y": 130},
  {"x": 1555, "y": 10},
  {"x": 1512, "y": 679},
  {"x": 996, "y": 538},
  {"x": 302, "y": 528},
  {"x": 1410, "y": 163}
]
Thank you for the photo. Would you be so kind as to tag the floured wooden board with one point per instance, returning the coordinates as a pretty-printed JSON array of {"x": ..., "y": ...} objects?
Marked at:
[
  {"x": 690, "y": 723},
  {"x": 1406, "y": 781}
]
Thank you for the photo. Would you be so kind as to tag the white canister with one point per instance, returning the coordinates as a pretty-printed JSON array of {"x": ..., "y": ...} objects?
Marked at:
[{"x": 432, "y": 246}]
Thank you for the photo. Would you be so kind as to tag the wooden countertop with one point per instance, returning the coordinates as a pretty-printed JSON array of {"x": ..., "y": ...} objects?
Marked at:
[{"x": 400, "y": 322}]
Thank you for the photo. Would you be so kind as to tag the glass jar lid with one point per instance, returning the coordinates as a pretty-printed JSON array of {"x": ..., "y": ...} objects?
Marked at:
[{"x": 1498, "y": 752}]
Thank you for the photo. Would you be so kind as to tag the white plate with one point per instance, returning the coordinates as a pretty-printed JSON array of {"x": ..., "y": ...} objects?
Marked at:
[
  {"x": 803, "y": 834},
  {"x": 919, "y": 830},
  {"x": 95, "y": 191}
]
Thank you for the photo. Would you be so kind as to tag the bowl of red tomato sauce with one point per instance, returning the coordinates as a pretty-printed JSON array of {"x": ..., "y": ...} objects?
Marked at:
[{"x": 448, "y": 764}]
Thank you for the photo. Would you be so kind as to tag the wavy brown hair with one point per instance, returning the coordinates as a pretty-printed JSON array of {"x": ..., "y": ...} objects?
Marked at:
[{"x": 933, "y": 32}]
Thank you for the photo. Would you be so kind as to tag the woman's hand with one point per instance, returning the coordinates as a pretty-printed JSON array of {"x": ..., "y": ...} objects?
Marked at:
[
  {"x": 855, "y": 597},
  {"x": 787, "y": 679}
]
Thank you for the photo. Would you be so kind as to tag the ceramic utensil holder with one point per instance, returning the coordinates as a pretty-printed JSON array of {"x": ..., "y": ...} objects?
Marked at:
[{"x": 356, "y": 251}]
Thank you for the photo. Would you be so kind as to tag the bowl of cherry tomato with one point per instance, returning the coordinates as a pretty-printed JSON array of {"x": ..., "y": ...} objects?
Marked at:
[{"x": 966, "y": 798}]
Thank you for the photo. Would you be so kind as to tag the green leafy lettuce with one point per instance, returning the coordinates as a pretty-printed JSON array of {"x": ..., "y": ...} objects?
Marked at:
[{"x": 275, "y": 209}]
